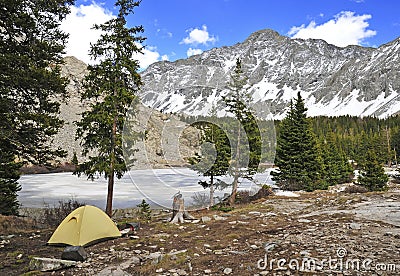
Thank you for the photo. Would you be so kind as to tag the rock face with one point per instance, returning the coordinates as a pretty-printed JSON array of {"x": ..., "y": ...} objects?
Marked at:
[
  {"x": 334, "y": 81},
  {"x": 75, "y": 70}
]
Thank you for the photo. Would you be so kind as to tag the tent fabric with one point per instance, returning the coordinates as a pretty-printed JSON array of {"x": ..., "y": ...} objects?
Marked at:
[{"x": 83, "y": 226}]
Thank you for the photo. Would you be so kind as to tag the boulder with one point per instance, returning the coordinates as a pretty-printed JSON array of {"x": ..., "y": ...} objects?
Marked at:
[
  {"x": 48, "y": 264},
  {"x": 74, "y": 253}
]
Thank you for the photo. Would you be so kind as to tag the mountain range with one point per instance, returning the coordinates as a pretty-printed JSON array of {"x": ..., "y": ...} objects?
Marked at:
[
  {"x": 334, "y": 81},
  {"x": 352, "y": 80}
]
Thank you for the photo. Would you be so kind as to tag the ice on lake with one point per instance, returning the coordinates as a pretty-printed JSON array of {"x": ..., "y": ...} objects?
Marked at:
[{"x": 157, "y": 186}]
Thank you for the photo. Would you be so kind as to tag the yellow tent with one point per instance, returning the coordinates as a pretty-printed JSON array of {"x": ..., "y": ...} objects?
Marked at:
[{"x": 84, "y": 225}]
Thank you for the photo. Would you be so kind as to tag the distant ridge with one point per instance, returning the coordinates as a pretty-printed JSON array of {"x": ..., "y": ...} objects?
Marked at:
[{"x": 334, "y": 81}]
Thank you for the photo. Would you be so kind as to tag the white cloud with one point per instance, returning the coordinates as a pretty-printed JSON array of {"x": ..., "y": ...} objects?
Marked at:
[
  {"x": 345, "y": 29},
  {"x": 78, "y": 24},
  {"x": 149, "y": 56},
  {"x": 191, "y": 52},
  {"x": 198, "y": 36}
]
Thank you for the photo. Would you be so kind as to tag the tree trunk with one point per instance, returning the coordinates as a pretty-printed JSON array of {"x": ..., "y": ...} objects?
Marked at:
[
  {"x": 236, "y": 175},
  {"x": 110, "y": 190},
  {"x": 110, "y": 194},
  {"x": 211, "y": 191},
  {"x": 178, "y": 208},
  {"x": 179, "y": 214}
]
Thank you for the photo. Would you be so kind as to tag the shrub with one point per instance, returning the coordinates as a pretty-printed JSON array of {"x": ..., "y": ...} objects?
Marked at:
[
  {"x": 200, "y": 200},
  {"x": 144, "y": 211},
  {"x": 222, "y": 207},
  {"x": 55, "y": 215}
]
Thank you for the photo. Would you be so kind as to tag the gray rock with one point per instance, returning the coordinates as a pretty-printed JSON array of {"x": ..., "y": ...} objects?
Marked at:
[
  {"x": 205, "y": 219},
  {"x": 355, "y": 226},
  {"x": 255, "y": 213},
  {"x": 216, "y": 217},
  {"x": 181, "y": 272},
  {"x": 49, "y": 264},
  {"x": 218, "y": 252},
  {"x": 304, "y": 220},
  {"x": 269, "y": 246},
  {"x": 74, "y": 253},
  {"x": 305, "y": 253},
  {"x": 227, "y": 270},
  {"x": 112, "y": 271},
  {"x": 155, "y": 257}
]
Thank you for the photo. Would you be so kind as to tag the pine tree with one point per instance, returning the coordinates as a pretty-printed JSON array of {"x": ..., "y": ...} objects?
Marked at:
[
  {"x": 74, "y": 160},
  {"x": 111, "y": 86},
  {"x": 9, "y": 186},
  {"x": 336, "y": 168},
  {"x": 372, "y": 175},
  {"x": 245, "y": 135},
  {"x": 144, "y": 210},
  {"x": 297, "y": 154},
  {"x": 31, "y": 47},
  {"x": 215, "y": 154}
]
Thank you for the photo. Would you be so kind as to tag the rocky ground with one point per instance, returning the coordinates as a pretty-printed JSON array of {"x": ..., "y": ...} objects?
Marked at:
[{"x": 319, "y": 233}]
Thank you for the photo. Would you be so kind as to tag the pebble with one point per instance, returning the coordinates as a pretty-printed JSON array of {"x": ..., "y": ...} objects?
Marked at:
[
  {"x": 181, "y": 272},
  {"x": 216, "y": 217},
  {"x": 304, "y": 220},
  {"x": 228, "y": 270},
  {"x": 256, "y": 213},
  {"x": 355, "y": 226}
]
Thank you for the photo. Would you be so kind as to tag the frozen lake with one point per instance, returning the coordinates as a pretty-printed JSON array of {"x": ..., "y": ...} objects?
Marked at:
[{"x": 155, "y": 185}]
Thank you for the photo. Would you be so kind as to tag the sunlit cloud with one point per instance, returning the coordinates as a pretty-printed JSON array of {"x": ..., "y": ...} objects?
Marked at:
[
  {"x": 346, "y": 28},
  {"x": 199, "y": 36},
  {"x": 78, "y": 24},
  {"x": 192, "y": 52}
]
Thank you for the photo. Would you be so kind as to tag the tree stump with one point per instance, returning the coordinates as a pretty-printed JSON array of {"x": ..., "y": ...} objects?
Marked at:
[{"x": 179, "y": 214}]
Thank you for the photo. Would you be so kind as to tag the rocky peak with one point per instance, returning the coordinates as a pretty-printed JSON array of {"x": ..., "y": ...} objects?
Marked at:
[{"x": 334, "y": 80}]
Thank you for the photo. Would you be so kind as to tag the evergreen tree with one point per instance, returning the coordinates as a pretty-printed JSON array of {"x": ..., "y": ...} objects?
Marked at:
[
  {"x": 215, "y": 155},
  {"x": 336, "y": 167},
  {"x": 31, "y": 47},
  {"x": 111, "y": 85},
  {"x": 144, "y": 210},
  {"x": 9, "y": 186},
  {"x": 395, "y": 144},
  {"x": 74, "y": 160},
  {"x": 245, "y": 135},
  {"x": 372, "y": 175},
  {"x": 297, "y": 154}
]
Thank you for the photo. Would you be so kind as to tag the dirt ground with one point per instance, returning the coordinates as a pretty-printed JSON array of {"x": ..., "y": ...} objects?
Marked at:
[{"x": 319, "y": 233}]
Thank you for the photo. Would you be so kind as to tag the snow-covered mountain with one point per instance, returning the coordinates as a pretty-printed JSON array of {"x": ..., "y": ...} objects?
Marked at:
[{"x": 334, "y": 81}]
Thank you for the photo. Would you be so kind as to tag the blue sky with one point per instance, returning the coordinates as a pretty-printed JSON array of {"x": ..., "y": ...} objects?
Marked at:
[{"x": 176, "y": 29}]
